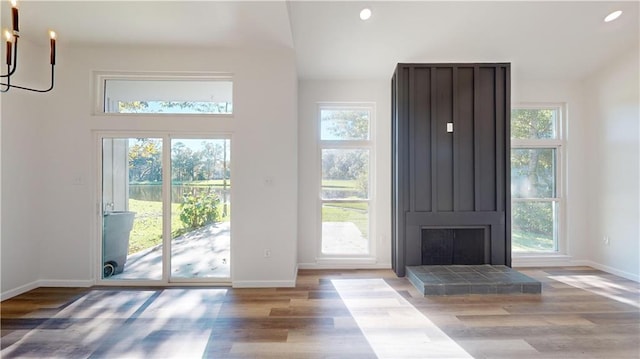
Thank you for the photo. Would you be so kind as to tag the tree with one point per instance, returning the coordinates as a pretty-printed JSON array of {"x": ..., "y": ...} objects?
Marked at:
[
  {"x": 344, "y": 164},
  {"x": 532, "y": 171},
  {"x": 195, "y": 106},
  {"x": 174, "y": 106},
  {"x": 347, "y": 125},
  {"x": 532, "y": 123},
  {"x": 535, "y": 165},
  {"x": 145, "y": 161},
  {"x": 185, "y": 162},
  {"x": 132, "y": 106},
  {"x": 212, "y": 154}
]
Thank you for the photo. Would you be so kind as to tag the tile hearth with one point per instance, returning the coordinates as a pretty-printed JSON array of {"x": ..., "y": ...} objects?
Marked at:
[{"x": 471, "y": 279}]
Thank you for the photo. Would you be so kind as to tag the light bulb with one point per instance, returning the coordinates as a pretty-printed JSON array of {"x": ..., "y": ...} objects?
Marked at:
[
  {"x": 614, "y": 15},
  {"x": 365, "y": 14}
]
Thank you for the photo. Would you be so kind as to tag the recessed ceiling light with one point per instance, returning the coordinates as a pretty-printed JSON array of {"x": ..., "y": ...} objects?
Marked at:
[
  {"x": 365, "y": 14},
  {"x": 614, "y": 15}
]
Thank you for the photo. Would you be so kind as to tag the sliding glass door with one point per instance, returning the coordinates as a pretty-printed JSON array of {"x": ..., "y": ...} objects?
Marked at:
[
  {"x": 165, "y": 209},
  {"x": 200, "y": 212}
]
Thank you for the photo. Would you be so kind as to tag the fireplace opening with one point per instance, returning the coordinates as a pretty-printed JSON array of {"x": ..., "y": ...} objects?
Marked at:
[{"x": 455, "y": 246}]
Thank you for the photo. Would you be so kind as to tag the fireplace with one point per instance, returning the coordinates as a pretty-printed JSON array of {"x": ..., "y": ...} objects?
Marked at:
[
  {"x": 454, "y": 246},
  {"x": 450, "y": 159}
]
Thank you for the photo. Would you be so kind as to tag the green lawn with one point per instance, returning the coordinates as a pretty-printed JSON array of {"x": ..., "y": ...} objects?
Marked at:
[
  {"x": 530, "y": 242},
  {"x": 347, "y": 185},
  {"x": 147, "y": 227}
]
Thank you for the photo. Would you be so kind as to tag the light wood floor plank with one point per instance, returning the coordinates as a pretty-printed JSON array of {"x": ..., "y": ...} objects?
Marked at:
[{"x": 582, "y": 313}]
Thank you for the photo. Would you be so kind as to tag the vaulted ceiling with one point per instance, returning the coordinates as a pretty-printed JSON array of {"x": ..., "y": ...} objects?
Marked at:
[{"x": 567, "y": 40}]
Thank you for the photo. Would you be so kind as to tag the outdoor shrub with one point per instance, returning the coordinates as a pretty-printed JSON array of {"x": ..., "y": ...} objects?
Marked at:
[
  {"x": 362, "y": 182},
  {"x": 533, "y": 218},
  {"x": 199, "y": 210}
]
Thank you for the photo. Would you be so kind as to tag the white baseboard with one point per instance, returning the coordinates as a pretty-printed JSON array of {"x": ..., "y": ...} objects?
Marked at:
[
  {"x": 267, "y": 283},
  {"x": 614, "y": 271},
  {"x": 339, "y": 265},
  {"x": 545, "y": 261},
  {"x": 65, "y": 283},
  {"x": 21, "y": 289},
  {"x": 45, "y": 283},
  {"x": 264, "y": 283}
]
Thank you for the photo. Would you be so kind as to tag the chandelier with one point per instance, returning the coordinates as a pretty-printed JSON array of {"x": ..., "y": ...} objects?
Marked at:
[{"x": 12, "y": 55}]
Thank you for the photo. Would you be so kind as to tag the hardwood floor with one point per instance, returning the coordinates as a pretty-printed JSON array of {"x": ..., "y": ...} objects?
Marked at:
[{"x": 582, "y": 313}]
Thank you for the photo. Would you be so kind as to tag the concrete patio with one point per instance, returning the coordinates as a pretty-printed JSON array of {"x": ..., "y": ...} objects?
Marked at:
[{"x": 202, "y": 253}]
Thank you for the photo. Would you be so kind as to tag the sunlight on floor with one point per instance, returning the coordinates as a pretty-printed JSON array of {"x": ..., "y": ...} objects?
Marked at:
[
  {"x": 392, "y": 326},
  {"x": 167, "y": 323},
  {"x": 602, "y": 286}
]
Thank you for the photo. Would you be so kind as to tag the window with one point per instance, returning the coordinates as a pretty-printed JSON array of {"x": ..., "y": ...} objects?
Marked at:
[
  {"x": 346, "y": 152},
  {"x": 536, "y": 186},
  {"x": 168, "y": 95}
]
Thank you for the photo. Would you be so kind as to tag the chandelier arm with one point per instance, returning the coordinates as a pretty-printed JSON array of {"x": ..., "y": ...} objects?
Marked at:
[
  {"x": 14, "y": 66},
  {"x": 11, "y": 67},
  {"x": 9, "y": 86}
]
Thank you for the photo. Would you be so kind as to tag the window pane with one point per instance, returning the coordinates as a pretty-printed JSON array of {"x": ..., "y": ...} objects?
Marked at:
[
  {"x": 345, "y": 228},
  {"x": 345, "y": 174},
  {"x": 168, "y": 96},
  {"x": 534, "y": 226},
  {"x": 132, "y": 208},
  {"x": 533, "y": 172},
  {"x": 344, "y": 125},
  {"x": 534, "y": 124},
  {"x": 200, "y": 208}
]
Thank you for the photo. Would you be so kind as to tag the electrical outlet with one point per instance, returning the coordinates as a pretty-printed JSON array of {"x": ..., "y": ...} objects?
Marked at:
[
  {"x": 77, "y": 180},
  {"x": 267, "y": 253}
]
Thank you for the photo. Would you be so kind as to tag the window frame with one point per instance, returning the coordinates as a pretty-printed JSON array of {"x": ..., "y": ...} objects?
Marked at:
[
  {"x": 558, "y": 144},
  {"x": 166, "y": 137},
  {"x": 99, "y": 88},
  {"x": 368, "y": 145}
]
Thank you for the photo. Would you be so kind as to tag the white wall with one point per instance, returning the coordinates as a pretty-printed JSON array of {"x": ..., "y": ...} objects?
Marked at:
[
  {"x": 22, "y": 177},
  {"x": 62, "y": 149},
  {"x": 311, "y": 92},
  {"x": 613, "y": 109}
]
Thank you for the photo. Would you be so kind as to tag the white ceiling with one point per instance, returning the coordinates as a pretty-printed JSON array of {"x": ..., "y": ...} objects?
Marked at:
[
  {"x": 171, "y": 23},
  {"x": 540, "y": 39}
]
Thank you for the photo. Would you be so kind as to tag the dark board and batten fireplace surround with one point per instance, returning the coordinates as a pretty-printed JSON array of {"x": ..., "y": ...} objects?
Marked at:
[{"x": 450, "y": 165}]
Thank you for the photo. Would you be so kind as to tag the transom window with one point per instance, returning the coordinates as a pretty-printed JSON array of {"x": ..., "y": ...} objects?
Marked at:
[
  {"x": 346, "y": 152},
  {"x": 536, "y": 186},
  {"x": 171, "y": 95}
]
